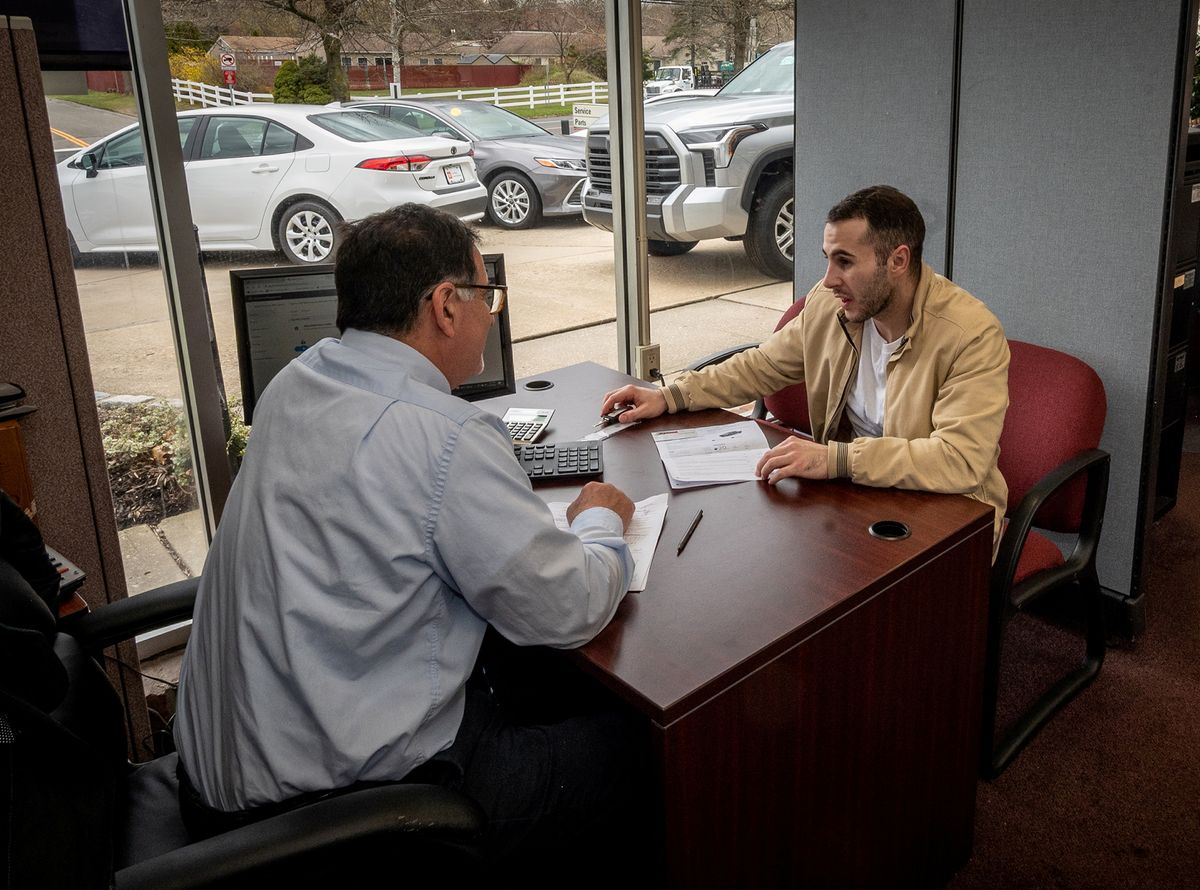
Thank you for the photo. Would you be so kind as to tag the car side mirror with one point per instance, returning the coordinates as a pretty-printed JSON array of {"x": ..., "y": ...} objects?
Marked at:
[{"x": 88, "y": 163}]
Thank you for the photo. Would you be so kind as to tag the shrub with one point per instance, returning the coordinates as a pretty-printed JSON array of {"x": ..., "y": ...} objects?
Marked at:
[
  {"x": 188, "y": 63},
  {"x": 149, "y": 461},
  {"x": 306, "y": 81}
]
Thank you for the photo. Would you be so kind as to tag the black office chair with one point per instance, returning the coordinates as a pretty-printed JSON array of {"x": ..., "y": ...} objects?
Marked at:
[{"x": 74, "y": 813}]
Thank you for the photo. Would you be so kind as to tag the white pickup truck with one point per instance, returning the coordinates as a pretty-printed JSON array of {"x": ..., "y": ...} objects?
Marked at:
[
  {"x": 716, "y": 166},
  {"x": 670, "y": 79}
]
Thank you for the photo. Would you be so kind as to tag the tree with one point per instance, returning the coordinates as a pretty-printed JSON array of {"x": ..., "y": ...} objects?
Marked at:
[
  {"x": 735, "y": 23},
  {"x": 328, "y": 18},
  {"x": 577, "y": 27}
]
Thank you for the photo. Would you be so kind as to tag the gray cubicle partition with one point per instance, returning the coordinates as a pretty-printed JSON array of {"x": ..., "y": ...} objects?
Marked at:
[{"x": 1039, "y": 139}]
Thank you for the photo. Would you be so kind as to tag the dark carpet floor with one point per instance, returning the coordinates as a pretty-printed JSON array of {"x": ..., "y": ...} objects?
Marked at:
[{"x": 1108, "y": 794}]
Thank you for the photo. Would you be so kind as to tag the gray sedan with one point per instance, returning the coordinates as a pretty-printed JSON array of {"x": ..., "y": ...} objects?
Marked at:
[{"x": 529, "y": 173}]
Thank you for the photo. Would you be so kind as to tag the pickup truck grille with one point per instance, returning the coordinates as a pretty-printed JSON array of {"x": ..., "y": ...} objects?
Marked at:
[{"x": 662, "y": 165}]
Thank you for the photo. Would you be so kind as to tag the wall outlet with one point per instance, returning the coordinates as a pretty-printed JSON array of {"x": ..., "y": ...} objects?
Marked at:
[{"x": 648, "y": 359}]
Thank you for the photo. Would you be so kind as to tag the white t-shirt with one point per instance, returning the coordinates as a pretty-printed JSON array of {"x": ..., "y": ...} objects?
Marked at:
[{"x": 864, "y": 409}]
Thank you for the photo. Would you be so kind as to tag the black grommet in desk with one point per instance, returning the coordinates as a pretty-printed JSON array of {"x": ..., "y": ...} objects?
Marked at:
[
  {"x": 537, "y": 385},
  {"x": 889, "y": 530}
]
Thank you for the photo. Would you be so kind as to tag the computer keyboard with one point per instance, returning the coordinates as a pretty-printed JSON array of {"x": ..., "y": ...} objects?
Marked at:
[{"x": 565, "y": 460}]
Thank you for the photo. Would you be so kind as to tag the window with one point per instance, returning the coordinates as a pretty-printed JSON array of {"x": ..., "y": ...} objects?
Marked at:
[
  {"x": 124, "y": 151},
  {"x": 279, "y": 140},
  {"x": 232, "y": 137},
  {"x": 379, "y": 60},
  {"x": 437, "y": 61},
  {"x": 361, "y": 126},
  {"x": 424, "y": 61},
  {"x": 362, "y": 61}
]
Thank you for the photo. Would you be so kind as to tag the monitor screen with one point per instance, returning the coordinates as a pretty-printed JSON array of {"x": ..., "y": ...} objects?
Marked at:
[{"x": 281, "y": 311}]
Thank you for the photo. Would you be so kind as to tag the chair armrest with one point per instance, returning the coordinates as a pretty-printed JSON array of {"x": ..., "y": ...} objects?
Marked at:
[
  {"x": 717, "y": 357},
  {"x": 363, "y": 832},
  {"x": 1096, "y": 464},
  {"x": 125, "y": 619},
  {"x": 760, "y": 409}
]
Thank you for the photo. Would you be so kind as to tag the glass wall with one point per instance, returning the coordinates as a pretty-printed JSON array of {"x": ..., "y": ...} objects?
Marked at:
[{"x": 267, "y": 186}]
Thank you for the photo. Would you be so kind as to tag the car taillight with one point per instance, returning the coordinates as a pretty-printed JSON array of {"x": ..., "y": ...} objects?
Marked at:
[{"x": 406, "y": 163}]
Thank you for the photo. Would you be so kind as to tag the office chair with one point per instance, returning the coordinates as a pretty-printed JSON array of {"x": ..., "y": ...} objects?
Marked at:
[
  {"x": 788, "y": 407},
  {"x": 74, "y": 813},
  {"x": 1057, "y": 480}
]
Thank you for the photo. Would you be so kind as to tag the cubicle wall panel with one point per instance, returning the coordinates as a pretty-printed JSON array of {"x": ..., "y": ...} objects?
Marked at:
[
  {"x": 1064, "y": 141},
  {"x": 874, "y": 103}
]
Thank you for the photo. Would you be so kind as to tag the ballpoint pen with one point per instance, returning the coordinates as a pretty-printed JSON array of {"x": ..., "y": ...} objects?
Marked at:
[{"x": 688, "y": 534}]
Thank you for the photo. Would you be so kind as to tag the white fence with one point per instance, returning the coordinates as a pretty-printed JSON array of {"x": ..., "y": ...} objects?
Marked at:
[
  {"x": 531, "y": 96},
  {"x": 206, "y": 94},
  {"x": 506, "y": 97}
]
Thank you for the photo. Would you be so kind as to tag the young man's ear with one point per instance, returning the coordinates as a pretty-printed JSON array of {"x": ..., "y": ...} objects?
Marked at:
[{"x": 900, "y": 260}]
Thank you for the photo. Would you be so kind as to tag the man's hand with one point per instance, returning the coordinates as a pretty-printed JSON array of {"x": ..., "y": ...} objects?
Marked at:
[
  {"x": 646, "y": 402},
  {"x": 601, "y": 494},
  {"x": 794, "y": 457}
]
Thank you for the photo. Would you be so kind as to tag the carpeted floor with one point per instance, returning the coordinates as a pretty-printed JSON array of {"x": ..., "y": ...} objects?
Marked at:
[{"x": 1108, "y": 795}]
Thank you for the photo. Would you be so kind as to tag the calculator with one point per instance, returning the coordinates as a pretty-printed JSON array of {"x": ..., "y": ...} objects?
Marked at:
[{"x": 526, "y": 424}]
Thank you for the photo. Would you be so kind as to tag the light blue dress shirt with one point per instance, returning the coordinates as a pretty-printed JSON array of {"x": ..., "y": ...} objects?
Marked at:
[{"x": 377, "y": 525}]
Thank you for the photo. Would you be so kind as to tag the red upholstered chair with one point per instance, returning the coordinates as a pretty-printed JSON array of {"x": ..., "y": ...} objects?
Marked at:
[
  {"x": 1057, "y": 481},
  {"x": 789, "y": 406}
]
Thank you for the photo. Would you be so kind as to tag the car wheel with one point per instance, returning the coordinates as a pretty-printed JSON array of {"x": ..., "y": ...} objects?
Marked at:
[
  {"x": 308, "y": 232},
  {"x": 770, "y": 237},
  {"x": 669, "y": 248},
  {"x": 513, "y": 202}
]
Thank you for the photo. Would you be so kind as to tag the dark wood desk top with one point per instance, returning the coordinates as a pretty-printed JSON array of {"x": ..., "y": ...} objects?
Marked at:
[{"x": 766, "y": 568}]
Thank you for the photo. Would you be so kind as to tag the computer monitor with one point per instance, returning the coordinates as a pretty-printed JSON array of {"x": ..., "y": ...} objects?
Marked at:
[{"x": 281, "y": 311}]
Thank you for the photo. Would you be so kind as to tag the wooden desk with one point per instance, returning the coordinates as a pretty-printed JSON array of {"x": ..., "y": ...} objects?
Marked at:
[{"x": 814, "y": 691}]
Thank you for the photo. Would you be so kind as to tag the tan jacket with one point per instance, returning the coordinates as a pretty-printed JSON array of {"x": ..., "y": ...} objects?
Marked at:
[{"x": 947, "y": 391}]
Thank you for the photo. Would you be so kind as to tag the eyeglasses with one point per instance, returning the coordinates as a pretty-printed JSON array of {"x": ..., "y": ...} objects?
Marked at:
[{"x": 493, "y": 295}]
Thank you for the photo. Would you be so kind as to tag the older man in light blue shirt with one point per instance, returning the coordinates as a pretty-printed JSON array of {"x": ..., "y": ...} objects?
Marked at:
[{"x": 377, "y": 527}]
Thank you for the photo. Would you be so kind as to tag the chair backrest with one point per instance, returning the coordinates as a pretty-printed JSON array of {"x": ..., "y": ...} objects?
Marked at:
[
  {"x": 790, "y": 404},
  {"x": 1056, "y": 411}
]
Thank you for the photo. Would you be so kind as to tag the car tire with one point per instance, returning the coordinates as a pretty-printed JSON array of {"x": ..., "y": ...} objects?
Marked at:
[
  {"x": 308, "y": 232},
  {"x": 513, "y": 202},
  {"x": 770, "y": 237},
  {"x": 669, "y": 248}
]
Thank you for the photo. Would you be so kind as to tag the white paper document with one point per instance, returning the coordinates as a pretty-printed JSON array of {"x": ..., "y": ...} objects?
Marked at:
[
  {"x": 604, "y": 432},
  {"x": 711, "y": 455},
  {"x": 641, "y": 536}
]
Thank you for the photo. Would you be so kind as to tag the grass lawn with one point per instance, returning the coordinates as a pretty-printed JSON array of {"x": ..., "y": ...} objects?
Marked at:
[{"x": 121, "y": 103}]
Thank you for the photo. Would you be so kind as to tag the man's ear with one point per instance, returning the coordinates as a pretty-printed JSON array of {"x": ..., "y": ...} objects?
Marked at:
[
  {"x": 445, "y": 308},
  {"x": 900, "y": 260}
]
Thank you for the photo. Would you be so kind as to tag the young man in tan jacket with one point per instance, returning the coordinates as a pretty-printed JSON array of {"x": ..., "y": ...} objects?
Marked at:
[{"x": 906, "y": 373}]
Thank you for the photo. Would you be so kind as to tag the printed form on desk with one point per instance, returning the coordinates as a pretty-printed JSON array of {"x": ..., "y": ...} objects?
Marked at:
[
  {"x": 641, "y": 536},
  {"x": 711, "y": 455}
]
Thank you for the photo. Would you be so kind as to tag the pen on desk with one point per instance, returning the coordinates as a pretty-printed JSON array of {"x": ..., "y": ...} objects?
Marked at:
[
  {"x": 613, "y": 416},
  {"x": 688, "y": 534}
]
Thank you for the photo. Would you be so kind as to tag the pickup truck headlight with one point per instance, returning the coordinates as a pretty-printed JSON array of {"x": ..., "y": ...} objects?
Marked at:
[
  {"x": 563, "y": 163},
  {"x": 721, "y": 141}
]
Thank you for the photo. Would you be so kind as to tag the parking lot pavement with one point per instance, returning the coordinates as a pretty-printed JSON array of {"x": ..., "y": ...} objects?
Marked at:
[{"x": 562, "y": 305}]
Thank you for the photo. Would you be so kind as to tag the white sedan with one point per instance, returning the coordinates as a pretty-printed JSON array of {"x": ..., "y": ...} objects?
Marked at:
[{"x": 268, "y": 177}]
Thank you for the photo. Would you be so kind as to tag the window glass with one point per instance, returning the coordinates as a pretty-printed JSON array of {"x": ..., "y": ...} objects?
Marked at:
[
  {"x": 232, "y": 137},
  {"x": 482, "y": 121},
  {"x": 279, "y": 140},
  {"x": 362, "y": 126},
  {"x": 422, "y": 121},
  {"x": 185, "y": 128},
  {"x": 124, "y": 151}
]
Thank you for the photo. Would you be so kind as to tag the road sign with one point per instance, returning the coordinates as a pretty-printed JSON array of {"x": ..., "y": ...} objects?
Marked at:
[
  {"x": 583, "y": 116},
  {"x": 230, "y": 77},
  {"x": 228, "y": 62},
  {"x": 725, "y": 67}
]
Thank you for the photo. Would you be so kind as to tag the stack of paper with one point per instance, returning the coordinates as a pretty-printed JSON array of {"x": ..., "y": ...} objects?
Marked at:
[
  {"x": 641, "y": 536},
  {"x": 711, "y": 455}
]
